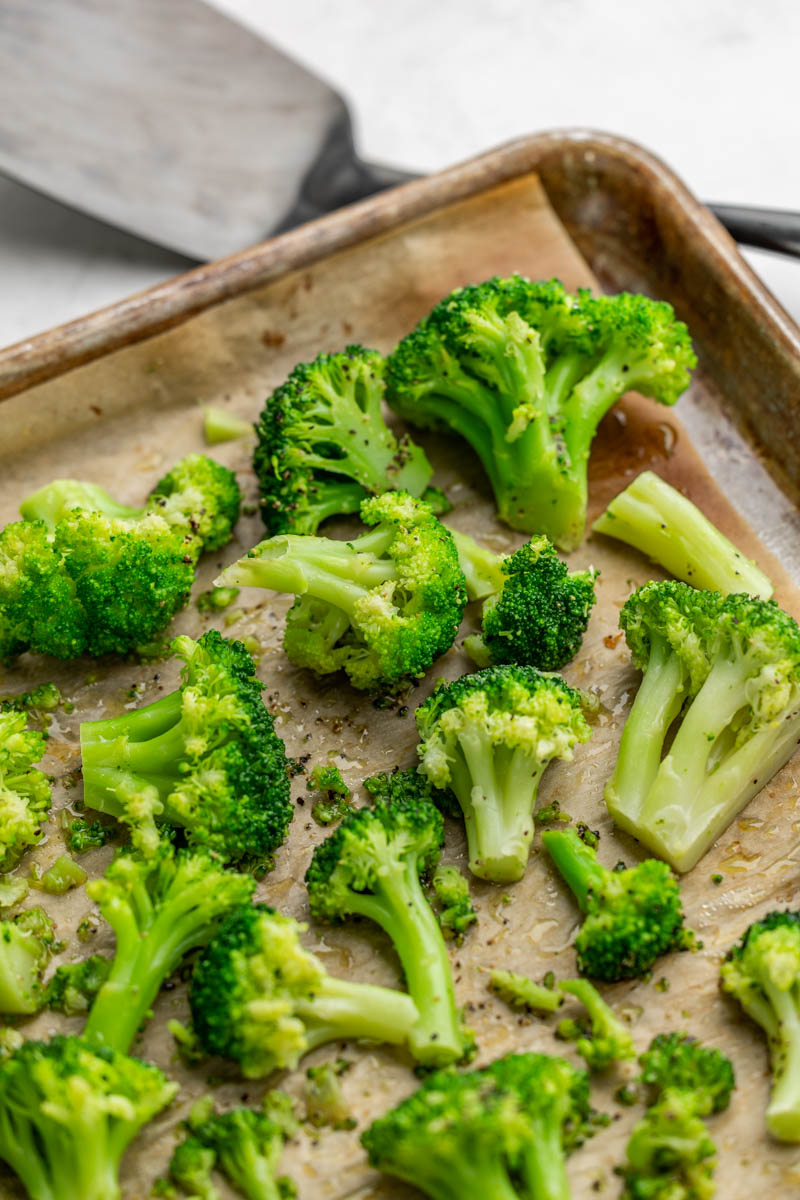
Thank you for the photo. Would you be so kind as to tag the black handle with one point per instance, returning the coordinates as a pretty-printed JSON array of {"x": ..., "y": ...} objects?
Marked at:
[{"x": 764, "y": 228}]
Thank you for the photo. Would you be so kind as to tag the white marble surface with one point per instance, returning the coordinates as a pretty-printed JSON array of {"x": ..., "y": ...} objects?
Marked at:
[{"x": 710, "y": 85}]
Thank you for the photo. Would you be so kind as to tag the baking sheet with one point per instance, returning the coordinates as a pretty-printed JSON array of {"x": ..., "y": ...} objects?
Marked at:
[{"x": 123, "y": 420}]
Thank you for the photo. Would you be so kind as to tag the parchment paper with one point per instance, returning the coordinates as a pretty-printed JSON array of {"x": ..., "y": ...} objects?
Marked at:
[{"x": 123, "y": 420}]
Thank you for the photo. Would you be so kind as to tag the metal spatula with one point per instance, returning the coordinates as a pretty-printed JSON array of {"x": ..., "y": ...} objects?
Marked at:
[{"x": 171, "y": 121}]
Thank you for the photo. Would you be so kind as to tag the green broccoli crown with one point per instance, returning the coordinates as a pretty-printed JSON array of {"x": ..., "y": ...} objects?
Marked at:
[
  {"x": 678, "y": 616},
  {"x": 489, "y": 737},
  {"x": 539, "y": 617},
  {"x": 38, "y": 609},
  {"x": 500, "y": 1131},
  {"x": 160, "y": 908},
  {"x": 633, "y": 915},
  {"x": 388, "y": 786},
  {"x": 678, "y": 1062},
  {"x": 206, "y": 758},
  {"x": 670, "y": 1155},
  {"x": 68, "y": 1112},
  {"x": 383, "y": 607},
  {"x": 73, "y": 986},
  {"x": 323, "y": 444},
  {"x": 26, "y": 944},
  {"x": 200, "y": 496},
  {"x": 25, "y": 792},
  {"x": 600, "y": 1037},
  {"x": 524, "y": 372},
  {"x": 259, "y": 998}
]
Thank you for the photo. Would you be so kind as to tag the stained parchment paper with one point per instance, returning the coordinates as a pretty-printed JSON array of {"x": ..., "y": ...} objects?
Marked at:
[{"x": 123, "y": 420}]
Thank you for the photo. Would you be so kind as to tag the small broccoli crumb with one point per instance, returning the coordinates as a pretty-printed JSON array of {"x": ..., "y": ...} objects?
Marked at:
[
  {"x": 187, "y": 1044},
  {"x": 337, "y": 801},
  {"x": 216, "y": 600},
  {"x": 64, "y": 875},
  {"x": 43, "y": 699},
  {"x": 662, "y": 985},
  {"x": 589, "y": 837},
  {"x": 600, "y": 1037},
  {"x": 83, "y": 835},
  {"x": 324, "y": 1100},
  {"x": 74, "y": 986},
  {"x": 519, "y": 991},
  {"x": 454, "y": 907},
  {"x": 716, "y": 879},
  {"x": 552, "y": 813},
  {"x": 87, "y": 928}
]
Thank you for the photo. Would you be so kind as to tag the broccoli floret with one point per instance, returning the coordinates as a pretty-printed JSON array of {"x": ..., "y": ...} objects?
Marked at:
[
  {"x": 221, "y": 425},
  {"x": 205, "y": 758},
  {"x": 337, "y": 800},
  {"x": 44, "y": 698},
  {"x": 74, "y": 986},
  {"x": 371, "y": 867},
  {"x": 655, "y": 518},
  {"x": 323, "y": 444},
  {"x": 633, "y": 915},
  {"x": 383, "y": 607},
  {"x": 763, "y": 972},
  {"x": 160, "y": 909},
  {"x": 600, "y": 1038},
  {"x": 25, "y": 792},
  {"x": 501, "y": 1132},
  {"x": 537, "y": 612},
  {"x": 518, "y": 991},
  {"x": 489, "y": 737},
  {"x": 670, "y": 1153},
  {"x": 68, "y": 1112},
  {"x": 729, "y": 669},
  {"x": 324, "y": 1100},
  {"x": 64, "y": 875},
  {"x": 243, "y": 1144},
  {"x": 259, "y": 998},
  {"x": 454, "y": 903},
  {"x": 83, "y": 835},
  {"x": 525, "y": 372},
  {"x": 26, "y": 944}
]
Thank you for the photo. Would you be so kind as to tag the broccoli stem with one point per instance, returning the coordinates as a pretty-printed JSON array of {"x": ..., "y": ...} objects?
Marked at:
[
  {"x": 482, "y": 567},
  {"x": 138, "y": 726},
  {"x": 482, "y": 1174},
  {"x": 544, "y": 1169},
  {"x": 314, "y": 566},
  {"x": 401, "y": 909},
  {"x": 783, "y": 1111},
  {"x": 576, "y": 863},
  {"x": 342, "y": 1009},
  {"x": 334, "y": 498}
]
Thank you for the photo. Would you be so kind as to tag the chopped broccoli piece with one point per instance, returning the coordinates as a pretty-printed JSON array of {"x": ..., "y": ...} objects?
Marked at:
[
  {"x": 763, "y": 972},
  {"x": 325, "y": 1103},
  {"x": 259, "y": 998},
  {"x": 44, "y": 698},
  {"x": 13, "y": 890},
  {"x": 337, "y": 801},
  {"x": 438, "y": 500},
  {"x": 502, "y": 1132},
  {"x": 726, "y": 672},
  {"x": 191, "y": 1166},
  {"x": 518, "y": 991},
  {"x": 551, "y": 813},
  {"x": 371, "y": 867},
  {"x": 83, "y": 835},
  {"x": 454, "y": 903},
  {"x": 490, "y": 736},
  {"x": 524, "y": 372},
  {"x": 25, "y": 792},
  {"x": 216, "y": 600},
  {"x": 383, "y": 607},
  {"x": 323, "y": 444},
  {"x": 187, "y": 1043},
  {"x": 68, "y": 1112},
  {"x": 221, "y": 425},
  {"x": 670, "y": 1153},
  {"x": 535, "y": 611},
  {"x": 655, "y": 518},
  {"x": 205, "y": 758},
  {"x": 74, "y": 986},
  {"x": 633, "y": 915},
  {"x": 26, "y": 944},
  {"x": 601, "y": 1039},
  {"x": 64, "y": 875},
  {"x": 160, "y": 909}
]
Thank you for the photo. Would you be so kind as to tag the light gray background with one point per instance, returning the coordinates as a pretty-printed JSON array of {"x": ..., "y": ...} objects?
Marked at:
[{"x": 710, "y": 85}]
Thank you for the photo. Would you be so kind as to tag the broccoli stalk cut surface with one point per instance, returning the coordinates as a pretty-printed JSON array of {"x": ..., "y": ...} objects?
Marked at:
[
  {"x": 259, "y": 998},
  {"x": 323, "y": 444},
  {"x": 762, "y": 972},
  {"x": 518, "y": 991},
  {"x": 68, "y": 1112},
  {"x": 383, "y": 607},
  {"x": 205, "y": 758},
  {"x": 26, "y": 944},
  {"x": 160, "y": 909},
  {"x": 725, "y": 672},
  {"x": 633, "y": 915},
  {"x": 525, "y": 372},
  {"x": 25, "y": 792},
  {"x": 655, "y": 518},
  {"x": 490, "y": 737},
  {"x": 536, "y": 612},
  {"x": 601, "y": 1038},
  {"x": 501, "y": 1133},
  {"x": 370, "y": 867}
]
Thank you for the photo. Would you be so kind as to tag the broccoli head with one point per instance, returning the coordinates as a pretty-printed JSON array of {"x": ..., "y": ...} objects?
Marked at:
[
  {"x": 489, "y": 737},
  {"x": 538, "y": 612},
  {"x": 371, "y": 867},
  {"x": 68, "y": 1112},
  {"x": 501, "y": 1133},
  {"x": 259, "y": 998},
  {"x": 26, "y": 944},
  {"x": 633, "y": 915},
  {"x": 383, "y": 607},
  {"x": 524, "y": 372},
  {"x": 323, "y": 445},
  {"x": 762, "y": 971},
  {"x": 25, "y": 792},
  {"x": 725, "y": 673},
  {"x": 205, "y": 758},
  {"x": 160, "y": 908},
  {"x": 655, "y": 518},
  {"x": 600, "y": 1038}
]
